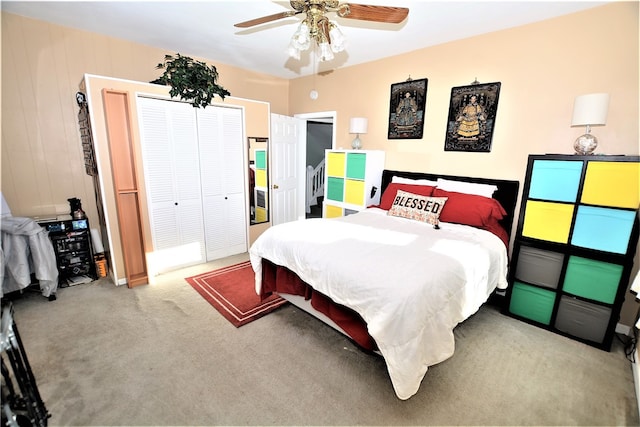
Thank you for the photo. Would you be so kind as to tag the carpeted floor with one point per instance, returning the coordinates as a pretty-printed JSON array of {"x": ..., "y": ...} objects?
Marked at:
[{"x": 161, "y": 355}]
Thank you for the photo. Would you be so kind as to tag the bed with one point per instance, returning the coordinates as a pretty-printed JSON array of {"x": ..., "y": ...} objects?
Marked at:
[{"x": 397, "y": 277}]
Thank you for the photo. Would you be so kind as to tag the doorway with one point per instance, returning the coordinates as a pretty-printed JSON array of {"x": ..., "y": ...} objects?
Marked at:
[{"x": 320, "y": 136}]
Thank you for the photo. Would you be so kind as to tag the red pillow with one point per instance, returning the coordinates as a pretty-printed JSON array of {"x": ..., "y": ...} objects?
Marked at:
[
  {"x": 389, "y": 195},
  {"x": 497, "y": 229},
  {"x": 470, "y": 209}
]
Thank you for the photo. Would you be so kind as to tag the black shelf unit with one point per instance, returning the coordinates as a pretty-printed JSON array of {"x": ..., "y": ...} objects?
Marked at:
[
  {"x": 574, "y": 247},
  {"x": 72, "y": 245}
]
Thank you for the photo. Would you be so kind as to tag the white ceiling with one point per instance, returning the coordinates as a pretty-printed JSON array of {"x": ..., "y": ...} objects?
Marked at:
[{"x": 205, "y": 28}]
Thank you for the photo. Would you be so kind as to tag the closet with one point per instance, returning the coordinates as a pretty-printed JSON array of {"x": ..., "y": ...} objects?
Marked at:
[{"x": 194, "y": 172}]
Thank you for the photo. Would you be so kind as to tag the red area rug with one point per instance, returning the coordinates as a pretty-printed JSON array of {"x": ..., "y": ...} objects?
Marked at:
[{"x": 231, "y": 290}]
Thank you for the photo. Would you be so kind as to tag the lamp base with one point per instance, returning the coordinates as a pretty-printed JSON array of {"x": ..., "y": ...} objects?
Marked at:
[
  {"x": 585, "y": 144},
  {"x": 356, "y": 144}
]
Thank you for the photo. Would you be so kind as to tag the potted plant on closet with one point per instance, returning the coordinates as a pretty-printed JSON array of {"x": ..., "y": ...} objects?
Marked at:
[{"x": 191, "y": 80}]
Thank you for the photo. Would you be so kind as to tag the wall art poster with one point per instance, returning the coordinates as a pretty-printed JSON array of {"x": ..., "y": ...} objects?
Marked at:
[
  {"x": 406, "y": 109},
  {"x": 472, "y": 116}
]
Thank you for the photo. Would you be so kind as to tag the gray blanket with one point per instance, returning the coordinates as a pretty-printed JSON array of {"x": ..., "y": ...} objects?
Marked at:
[{"x": 25, "y": 249}]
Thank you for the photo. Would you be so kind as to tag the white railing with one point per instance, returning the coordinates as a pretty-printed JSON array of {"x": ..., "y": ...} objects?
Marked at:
[{"x": 315, "y": 184}]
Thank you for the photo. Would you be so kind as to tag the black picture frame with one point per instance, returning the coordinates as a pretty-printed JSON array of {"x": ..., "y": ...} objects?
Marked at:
[
  {"x": 406, "y": 109},
  {"x": 472, "y": 117}
]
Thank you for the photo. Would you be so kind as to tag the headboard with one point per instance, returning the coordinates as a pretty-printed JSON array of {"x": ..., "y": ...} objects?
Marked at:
[{"x": 506, "y": 194}]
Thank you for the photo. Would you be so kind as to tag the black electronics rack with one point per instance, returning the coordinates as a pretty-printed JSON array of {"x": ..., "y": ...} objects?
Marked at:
[{"x": 73, "y": 248}]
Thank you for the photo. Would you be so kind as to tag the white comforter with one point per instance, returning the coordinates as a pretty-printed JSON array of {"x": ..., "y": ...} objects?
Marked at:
[{"x": 411, "y": 283}]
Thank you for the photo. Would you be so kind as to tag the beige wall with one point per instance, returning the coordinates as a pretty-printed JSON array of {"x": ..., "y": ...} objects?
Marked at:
[
  {"x": 542, "y": 67},
  {"x": 42, "y": 68}
]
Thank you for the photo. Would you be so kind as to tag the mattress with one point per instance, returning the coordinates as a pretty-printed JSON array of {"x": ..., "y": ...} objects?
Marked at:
[{"x": 410, "y": 282}]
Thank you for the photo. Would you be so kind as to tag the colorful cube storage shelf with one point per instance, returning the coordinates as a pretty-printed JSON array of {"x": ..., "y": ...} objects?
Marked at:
[
  {"x": 576, "y": 238},
  {"x": 352, "y": 182}
]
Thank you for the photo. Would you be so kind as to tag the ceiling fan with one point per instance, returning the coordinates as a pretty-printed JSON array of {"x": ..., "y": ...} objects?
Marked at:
[{"x": 317, "y": 27}]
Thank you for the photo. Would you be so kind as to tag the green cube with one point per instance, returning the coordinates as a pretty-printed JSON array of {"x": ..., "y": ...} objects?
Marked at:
[
  {"x": 335, "y": 189},
  {"x": 589, "y": 278},
  {"x": 532, "y": 303},
  {"x": 356, "y": 165}
]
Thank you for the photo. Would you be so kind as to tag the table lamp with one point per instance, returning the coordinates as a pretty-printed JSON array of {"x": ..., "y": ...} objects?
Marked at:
[
  {"x": 589, "y": 110},
  {"x": 357, "y": 125}
]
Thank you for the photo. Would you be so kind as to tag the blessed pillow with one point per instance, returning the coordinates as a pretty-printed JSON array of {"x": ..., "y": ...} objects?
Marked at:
[
  {"x": 415, "y": 206},
  {"x": 470, "y": 209},
  {"x": 389, "y": 194},
  {"x": 485, "y": 190}
]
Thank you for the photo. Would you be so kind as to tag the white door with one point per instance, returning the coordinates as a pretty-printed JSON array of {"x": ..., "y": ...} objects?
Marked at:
[
  {"x": 288, "y": 135},
  {"x": 222, "y": 164},
  {"x": 172, "y": 176}
]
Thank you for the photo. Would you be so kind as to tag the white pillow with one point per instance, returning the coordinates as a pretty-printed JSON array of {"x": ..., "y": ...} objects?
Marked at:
[
  {"x": 485, "y": 190},
  {"x": 401, "y": 180}
]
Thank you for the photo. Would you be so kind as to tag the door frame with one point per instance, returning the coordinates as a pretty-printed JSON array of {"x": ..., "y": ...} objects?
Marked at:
[
  {"x": 329, "y": 116},
  {"x": 321, "y": 116}
]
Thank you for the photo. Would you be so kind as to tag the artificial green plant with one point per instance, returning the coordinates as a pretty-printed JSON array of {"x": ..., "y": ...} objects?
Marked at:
[{"x": 191, "y": 80}]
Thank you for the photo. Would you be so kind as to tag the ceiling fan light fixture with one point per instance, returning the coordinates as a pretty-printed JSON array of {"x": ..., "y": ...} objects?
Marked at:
[
  {"x": 326, "y": 54},
  {"x": 326, "y": 35},
  {"x": 338, "y": 40},
  {"x": 301, "y": 39},
  {"x": 317, "y": 28}
]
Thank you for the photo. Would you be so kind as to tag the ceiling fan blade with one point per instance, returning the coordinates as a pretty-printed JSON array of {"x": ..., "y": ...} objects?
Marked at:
[
  {"x": 265, "y": 19},
  {"x": 365, "y": 12}
]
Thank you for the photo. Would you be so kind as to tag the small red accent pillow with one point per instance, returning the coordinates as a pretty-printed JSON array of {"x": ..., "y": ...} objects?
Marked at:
[
  {"x": 470, "y": 209},
  {"x": 389, "y": 195}
]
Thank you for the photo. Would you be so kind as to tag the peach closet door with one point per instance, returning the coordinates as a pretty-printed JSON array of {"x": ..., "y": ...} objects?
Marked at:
[{"x": 116, "y": 107}]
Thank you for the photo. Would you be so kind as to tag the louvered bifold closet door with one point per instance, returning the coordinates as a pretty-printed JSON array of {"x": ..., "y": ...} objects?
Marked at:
[
  {"x": 223, "y": 172},
  {"x": 172, "y": 177}
]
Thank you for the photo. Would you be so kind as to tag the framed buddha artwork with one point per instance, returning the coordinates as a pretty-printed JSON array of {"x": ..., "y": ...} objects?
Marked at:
[
  {"x": 406, "y": 109},
  {"x": 472, "y": 117}
]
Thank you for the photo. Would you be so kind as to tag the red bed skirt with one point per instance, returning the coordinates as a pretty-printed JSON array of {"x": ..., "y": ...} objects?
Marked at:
[{"x": 283, "y": 281}]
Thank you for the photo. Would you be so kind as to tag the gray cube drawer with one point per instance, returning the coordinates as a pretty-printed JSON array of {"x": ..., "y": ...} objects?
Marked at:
[
  {"x": 539, "y": 267},
  {"x": 582, "y": 319}
]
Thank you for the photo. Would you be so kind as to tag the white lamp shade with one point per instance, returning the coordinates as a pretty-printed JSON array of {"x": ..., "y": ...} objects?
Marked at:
[
  {"x": 590, "y": 110},
  {"x": 358, "y": 125}
]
